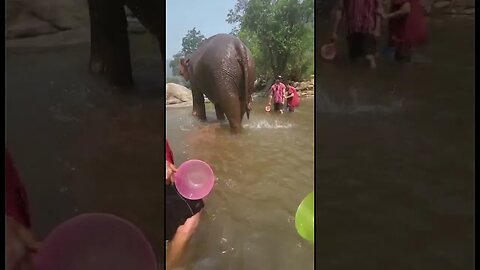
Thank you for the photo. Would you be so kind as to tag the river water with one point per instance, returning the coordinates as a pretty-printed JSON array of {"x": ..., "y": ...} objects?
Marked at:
[
  {"x": 262, "y": 176},
  {"x": 395, "y": 157},
  {"x": 81, "y": 146}
]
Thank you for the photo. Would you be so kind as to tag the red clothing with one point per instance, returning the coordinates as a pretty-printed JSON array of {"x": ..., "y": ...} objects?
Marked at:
[
  {"x": 278, "y": 92},
  {"x": 16, "y": 203},
  {"x": 169, "y": 153},
  {"x": 409, "y": 30},
  {"x": 360, "y": 15},
  {"x": 295, "y": 100}
]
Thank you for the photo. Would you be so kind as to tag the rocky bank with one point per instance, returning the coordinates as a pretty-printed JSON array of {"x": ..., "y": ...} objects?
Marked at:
[{"x": 179, "y": 96}]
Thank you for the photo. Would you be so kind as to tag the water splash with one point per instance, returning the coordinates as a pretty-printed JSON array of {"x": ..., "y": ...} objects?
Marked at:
[{"x": 264, "y": 124}]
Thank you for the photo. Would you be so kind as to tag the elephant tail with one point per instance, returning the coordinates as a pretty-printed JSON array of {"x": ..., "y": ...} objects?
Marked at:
[{"x": 246, "y": 90}]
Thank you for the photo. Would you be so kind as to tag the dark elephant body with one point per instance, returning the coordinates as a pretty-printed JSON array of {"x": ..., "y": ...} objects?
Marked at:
[{"x": 223, "y": 69}]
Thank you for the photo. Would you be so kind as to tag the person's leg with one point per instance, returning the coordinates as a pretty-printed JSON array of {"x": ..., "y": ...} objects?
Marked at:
[
  {"x": 352, "y": 41},
  {"x": 370, "y": 48},
  {"x": 177, "y": 245},
  {"x": 277, "y": 107}
]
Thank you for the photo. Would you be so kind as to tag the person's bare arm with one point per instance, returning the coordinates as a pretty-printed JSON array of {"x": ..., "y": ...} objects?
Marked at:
[
  {"x": 378, "y": 18},
  {"x": 270, "y": 97},
  {"x": 404, "y": 10},
  {"x": 337, "y": 18}
]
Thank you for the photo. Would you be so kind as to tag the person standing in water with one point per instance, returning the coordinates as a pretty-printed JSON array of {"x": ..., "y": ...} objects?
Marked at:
[
  {"x": 407, "y": 27},
  {"x": 362, "y": 22},
  {"x": 293, "y": 100},
  {"x": 182, "y": 215},
  {"x": 277, "y": 94}
]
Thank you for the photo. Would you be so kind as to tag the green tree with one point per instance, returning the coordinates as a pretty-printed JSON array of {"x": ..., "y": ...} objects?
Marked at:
[
  {"x": 190, "y": 43},
  {"x": 279, "y": 33}
]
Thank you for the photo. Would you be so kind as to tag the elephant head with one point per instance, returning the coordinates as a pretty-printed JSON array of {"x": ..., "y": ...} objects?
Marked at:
[{"x": 184, "y": 68}]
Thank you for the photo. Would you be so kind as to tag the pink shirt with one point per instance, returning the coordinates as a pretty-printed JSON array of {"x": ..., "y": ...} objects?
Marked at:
[
  {"x": 295, "y": 100},
  {"x": 278, "y": 93},
  {"x": 16, "y": 203},
  {"x": 360, "y": 15}
]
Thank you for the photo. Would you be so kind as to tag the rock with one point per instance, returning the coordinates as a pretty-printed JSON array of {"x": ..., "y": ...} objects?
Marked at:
[
  {"x": 441, "y": 4},
  {"x": 469, "y": 11},
  {"x": 302, "y": 86},
  {"x": 177, "y": 94},
  {"x": 29, "y": 18},
  {"x": 310, "y": 93}
]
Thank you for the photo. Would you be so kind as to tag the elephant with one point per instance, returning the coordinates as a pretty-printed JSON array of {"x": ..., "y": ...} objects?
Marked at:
[
  {"x": 222, "y": 69},
  {"x": 110, "y": 50}
]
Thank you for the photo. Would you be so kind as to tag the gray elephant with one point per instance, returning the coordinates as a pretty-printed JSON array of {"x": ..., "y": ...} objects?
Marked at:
[{"x": 223, "y": 69}]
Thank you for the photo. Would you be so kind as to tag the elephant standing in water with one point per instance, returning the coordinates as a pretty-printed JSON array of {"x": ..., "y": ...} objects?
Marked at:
[
  {"x": 223, "y": 69},
  {"x": 110, "y": 50}
]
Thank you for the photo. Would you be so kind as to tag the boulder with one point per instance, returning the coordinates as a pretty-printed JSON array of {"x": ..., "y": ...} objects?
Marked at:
[
  {"x": 30, "y": 18},
  {"x": 302, "y": 86},
  {"x": 442, "y": 4},
  {"x": 177, "y": 94},
  {"x": 469, "y": 11}
]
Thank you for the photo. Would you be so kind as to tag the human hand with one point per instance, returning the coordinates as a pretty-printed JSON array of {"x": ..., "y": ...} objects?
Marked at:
[
  {"x": 334, "y": 37},
  {"x": 20, "y": 245},
  {"x": 170, "y": 172}
]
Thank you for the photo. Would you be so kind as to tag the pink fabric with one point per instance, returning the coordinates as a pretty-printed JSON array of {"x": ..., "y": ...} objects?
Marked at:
[
  {"x": 169, "y": 154},
  {"x": 16, "y": 203},
  {"x": 278, "y": 92},
  {"x": 411, "y": 29},
  {"x": 360, "y": 15},
  {"x": 295, "y": 100}
]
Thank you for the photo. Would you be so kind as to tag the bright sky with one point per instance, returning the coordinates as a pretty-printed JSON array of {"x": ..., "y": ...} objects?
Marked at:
[{"x": 207, "y": 16}]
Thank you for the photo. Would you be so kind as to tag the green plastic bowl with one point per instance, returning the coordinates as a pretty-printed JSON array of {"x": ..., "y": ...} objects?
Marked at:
[{"x": 305, "y": 218}]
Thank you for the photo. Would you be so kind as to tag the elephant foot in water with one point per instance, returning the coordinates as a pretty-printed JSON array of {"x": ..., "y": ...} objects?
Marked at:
[
  {"x": 220, "y": 114},
  {"x": 200, "y": 116}
]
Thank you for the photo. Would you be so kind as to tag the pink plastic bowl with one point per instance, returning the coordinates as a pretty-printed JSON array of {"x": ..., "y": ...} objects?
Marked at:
[
  {"x": 95, "y": 242},
  {"x": 194, "y": 179}
]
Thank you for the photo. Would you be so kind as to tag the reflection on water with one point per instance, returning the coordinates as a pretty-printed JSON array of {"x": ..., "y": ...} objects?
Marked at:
[
  {"x": 395, "y": 157},
  {"x": 262, "y": 176},
  {"x": 81, "y": 146}
]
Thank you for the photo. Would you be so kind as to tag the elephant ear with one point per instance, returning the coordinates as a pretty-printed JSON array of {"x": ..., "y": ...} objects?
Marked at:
[{"x": 184, "y": 61}]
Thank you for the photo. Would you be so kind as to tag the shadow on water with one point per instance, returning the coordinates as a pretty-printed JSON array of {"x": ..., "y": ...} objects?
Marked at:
[
  {"x": 81, "y": 146},
  {"x": 395, "y": 157},
  {"x": 262, "y": 176}
]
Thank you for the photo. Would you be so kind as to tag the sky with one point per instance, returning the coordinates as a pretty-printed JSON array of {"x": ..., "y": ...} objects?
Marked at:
[{"x": 207, "y": 16}]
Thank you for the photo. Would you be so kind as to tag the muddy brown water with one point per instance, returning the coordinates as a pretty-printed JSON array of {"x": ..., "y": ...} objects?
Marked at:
[
  {"x": 81, "y": 146},
  {"x": 395, "y": 156},
  {"x": 262, "y": 176}
]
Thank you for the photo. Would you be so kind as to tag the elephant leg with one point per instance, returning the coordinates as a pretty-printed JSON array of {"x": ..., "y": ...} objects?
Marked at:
[
  {"x": 146, "y": 11},
  {"x": 232, "y": 112},
  {"x": 110, "y": 49},
  {"x": 199, "y": 105},
  {"x": 219, "y": 112}
]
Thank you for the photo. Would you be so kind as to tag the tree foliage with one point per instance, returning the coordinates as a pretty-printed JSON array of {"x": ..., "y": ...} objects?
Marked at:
[
  {"x": 279, "y": 33},
  {"x": 190, "y": 43}
]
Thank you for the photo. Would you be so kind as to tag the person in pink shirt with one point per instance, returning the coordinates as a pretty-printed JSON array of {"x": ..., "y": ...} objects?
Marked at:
[
  {"x": 293, "y": 100},
  {"x": 362, "y": 21},
  {"x": 277, "y": 94},
  {"x": 20, "y": 243},
  {"x": 182, "y": 215}
]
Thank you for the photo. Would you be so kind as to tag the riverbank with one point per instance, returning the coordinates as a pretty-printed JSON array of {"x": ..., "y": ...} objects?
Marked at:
[{"x": 179, "y": 96}]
